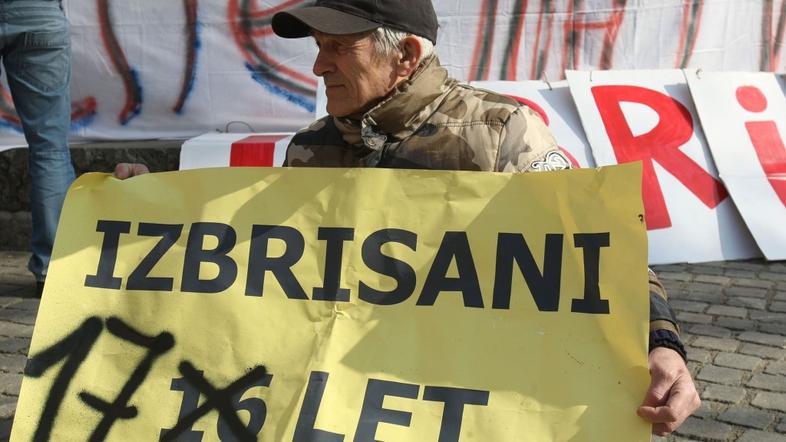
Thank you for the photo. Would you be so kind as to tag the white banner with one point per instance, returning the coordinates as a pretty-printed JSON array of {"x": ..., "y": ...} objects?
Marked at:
[
  {"x": 649, "y": 116},
  {"x": 234, "y": 150},
  {"x": 744, "y": 117},
  {"x": 152, "y": 69}
]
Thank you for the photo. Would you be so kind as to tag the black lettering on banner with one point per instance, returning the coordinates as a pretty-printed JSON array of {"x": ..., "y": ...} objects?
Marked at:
[
  {"x": 104, "y": 277},
  {"x": 281, "y": 267},
  {"x": 545, "y": 286},
  {"x": 219, "y": 400},
  {"x": 138, "y": 279},
  {"x": 335, "y": 237},
  {"x": 403, "y": 273},
  {"x": 255, "y": 406},
  {"x": 74, "y": 348},
  {"x": 455, "y": 399},
  {"x": 455, "y": 245},
  {"x": 372, "y": 412},
  {"x": 591, "y": 303},
  {"x": 196, "y": 255},
  {"x": 119, "y": 408},
  {"x": 304, "y": 429},
  {"x": 187, "y": 406}
]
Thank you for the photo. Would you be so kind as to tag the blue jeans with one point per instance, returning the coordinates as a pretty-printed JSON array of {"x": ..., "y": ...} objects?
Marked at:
[{"x": 35, "y": 47}]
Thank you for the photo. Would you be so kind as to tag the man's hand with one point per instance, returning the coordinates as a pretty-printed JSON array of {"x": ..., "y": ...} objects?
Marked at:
[
  {"x": 672, "y": 396},
  {"x": 127, "y": 170}
]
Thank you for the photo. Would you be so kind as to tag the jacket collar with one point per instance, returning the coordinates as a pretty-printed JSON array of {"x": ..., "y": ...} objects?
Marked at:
[{"x": 407, "y": 107}]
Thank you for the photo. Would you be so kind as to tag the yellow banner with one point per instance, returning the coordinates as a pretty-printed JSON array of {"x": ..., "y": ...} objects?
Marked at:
[{"x": 344, "y": 304}]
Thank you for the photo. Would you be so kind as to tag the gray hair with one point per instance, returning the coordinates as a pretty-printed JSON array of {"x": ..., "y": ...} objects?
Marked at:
[{"x": 388, "y": 41}]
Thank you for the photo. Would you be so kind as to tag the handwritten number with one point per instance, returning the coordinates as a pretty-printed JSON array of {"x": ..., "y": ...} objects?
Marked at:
[{"x": 74, "y": 348}]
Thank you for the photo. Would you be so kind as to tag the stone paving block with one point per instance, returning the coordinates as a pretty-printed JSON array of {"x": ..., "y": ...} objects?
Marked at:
[
  {"x": 18, "y": 316},
  {"x": 723, "y": 393},
  {"x": 761, "y": 436},
  {"x": 705, "y": 429},
  {"x": 703, "y": 287},
  {"x": 677, "y": 267},
  {"x": 776, "y": 367},
  {"x": 713, "y": 279},
  {"x": 768, "y": 382},
  {"x": 10, "y": 384},
  {"x": 762, "y": 351},
  {"x": 735, "y": 323},
  {"x": 741, "y": 362},
  {"x": 773, "y": 276},
  {"x": 12, "y": 363},
  {"x": 710, "y": 298},
  {"x": 779, "y": 296},
  {"x": 755, "y": 283},
  {"x": 750, "y": 292},
  {"x": 772, "y": 328},
  {"x": 763, "y": 339},
  {"x": 708, "y": 409},
  {"x": 747, "y": 417},
  {"x": 674, "y": 276},
  {"x": 768, "y": 316},
  {"x": 698, "y": 354},
  {"x": 694, "y": 318},
  {"x": 710, "y": 330},
  {"x": 26, "y": 304},
  {"x": 781, "y": 427},
  {"x": 689, "y": 306},
  {"x": 770, "y": 401},
  {"x": 14, "y": 345},
  {"x": 727, "y": 345},
  {"x": 742, "y": 301},
  {"x": 7, "y": 406},
  {"x": 721, "y": 375},
  {"x": 725, "y": 310},
  {"x": 778, "y": 306},
  {"x": 14, "y": 329}
]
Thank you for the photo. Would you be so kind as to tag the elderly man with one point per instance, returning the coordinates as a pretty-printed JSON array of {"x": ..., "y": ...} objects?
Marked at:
[{"x": 391, "y": 104}]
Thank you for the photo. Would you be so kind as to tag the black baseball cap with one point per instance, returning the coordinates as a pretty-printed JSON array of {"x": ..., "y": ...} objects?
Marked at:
[{"x": 352, "y": 16}]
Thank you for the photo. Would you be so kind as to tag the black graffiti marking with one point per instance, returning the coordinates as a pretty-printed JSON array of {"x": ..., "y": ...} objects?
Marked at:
[
  {"x": 219, "y": 400},
  {"x": 74, "y": 348},
  {"x": 188, "y": 405},
  {"x": 156, "y": 346}
]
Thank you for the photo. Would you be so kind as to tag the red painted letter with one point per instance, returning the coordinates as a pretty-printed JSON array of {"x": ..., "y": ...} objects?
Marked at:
[
  {"x": 766, "y": 140},
  {"x": 661, "y": 144}
]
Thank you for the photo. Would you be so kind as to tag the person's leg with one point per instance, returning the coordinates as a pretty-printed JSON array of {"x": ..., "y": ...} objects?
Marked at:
[{"x": 38, "y": 67}]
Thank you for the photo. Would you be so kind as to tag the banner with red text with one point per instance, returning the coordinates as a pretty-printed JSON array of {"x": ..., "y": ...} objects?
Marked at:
[
  {"x": 744, "y": 118},
  {"x": 146, "y": 69},
  {"x": 649, "y": 117}
]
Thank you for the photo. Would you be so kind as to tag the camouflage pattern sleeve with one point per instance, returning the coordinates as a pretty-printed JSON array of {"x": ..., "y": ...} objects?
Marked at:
[
  {"x": 662, "y": 317},
  {"x": 526, "y": 145}
]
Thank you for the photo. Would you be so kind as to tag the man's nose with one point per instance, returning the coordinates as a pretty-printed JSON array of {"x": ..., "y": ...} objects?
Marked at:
[{"x": 323, "y": 64}]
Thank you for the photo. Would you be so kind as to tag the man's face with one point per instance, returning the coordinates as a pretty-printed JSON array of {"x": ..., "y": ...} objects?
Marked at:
[{"x": 356, "y": 78}]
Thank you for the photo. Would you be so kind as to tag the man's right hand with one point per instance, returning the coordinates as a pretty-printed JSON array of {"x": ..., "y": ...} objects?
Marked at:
[{"x": 127, "y": 170}]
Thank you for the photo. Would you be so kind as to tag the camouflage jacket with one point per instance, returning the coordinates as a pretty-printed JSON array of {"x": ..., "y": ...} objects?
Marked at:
[{"x": 432, "y": 122}]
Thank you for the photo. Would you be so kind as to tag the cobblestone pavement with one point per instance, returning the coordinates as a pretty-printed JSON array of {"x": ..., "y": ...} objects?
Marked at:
[{"x": 733, "y": 316}]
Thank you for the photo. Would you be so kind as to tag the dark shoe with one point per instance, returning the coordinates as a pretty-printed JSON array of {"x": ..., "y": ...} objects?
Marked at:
[{"x": 39, "y": 289}]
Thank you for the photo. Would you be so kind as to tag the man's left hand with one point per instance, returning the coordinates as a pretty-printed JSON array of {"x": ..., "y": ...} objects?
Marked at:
[{"x": 672, "y": 395}]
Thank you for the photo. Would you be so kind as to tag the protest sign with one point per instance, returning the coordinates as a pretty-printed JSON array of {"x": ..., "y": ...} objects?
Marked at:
[
  {"x": 744, "y": 117},
  {"x": 649, "y": 116},
  {"x": 390, "y": 305}
]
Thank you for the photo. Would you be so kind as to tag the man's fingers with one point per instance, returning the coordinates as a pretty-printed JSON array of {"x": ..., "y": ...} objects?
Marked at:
[{"x": 128, "y": 170}]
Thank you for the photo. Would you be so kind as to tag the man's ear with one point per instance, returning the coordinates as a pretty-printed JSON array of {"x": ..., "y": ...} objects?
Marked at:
[{"x": 411, "y": 51}]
